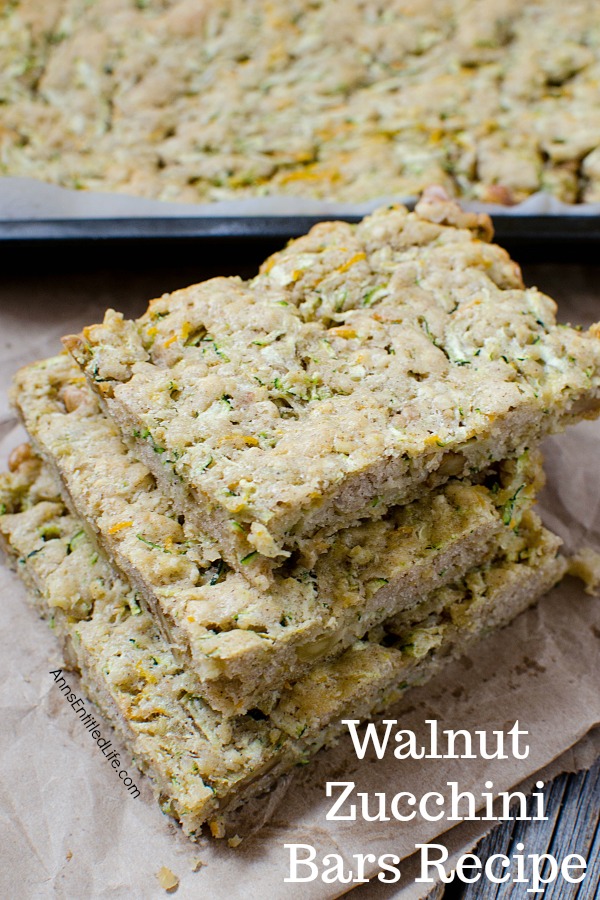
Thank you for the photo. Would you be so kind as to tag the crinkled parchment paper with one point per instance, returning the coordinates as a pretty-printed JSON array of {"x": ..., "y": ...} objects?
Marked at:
[
  {"x": 27, "y": 198},
  {"x": 69, "y": 829}
]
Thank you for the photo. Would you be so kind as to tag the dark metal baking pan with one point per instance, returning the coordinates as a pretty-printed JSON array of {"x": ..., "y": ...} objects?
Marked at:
[
  {"x": 544, "y": 237},
  {"x": 554, "y": 228}
]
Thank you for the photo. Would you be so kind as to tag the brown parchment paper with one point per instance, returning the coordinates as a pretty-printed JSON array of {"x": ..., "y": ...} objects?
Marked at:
[{"x": 69, "y": 829}]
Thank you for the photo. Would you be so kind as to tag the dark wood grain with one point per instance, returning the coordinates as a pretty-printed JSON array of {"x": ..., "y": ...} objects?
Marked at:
[{"x": 573, "y": 826}]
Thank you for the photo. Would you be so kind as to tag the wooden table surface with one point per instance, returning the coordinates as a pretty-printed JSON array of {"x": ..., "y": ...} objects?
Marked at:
[{"x": 573, "y": 826}]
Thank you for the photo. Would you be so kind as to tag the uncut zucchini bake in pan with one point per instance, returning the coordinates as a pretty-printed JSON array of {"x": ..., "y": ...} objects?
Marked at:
[
  {"x": 340, "y": 100},
  {"x": 269, "y": 505}
]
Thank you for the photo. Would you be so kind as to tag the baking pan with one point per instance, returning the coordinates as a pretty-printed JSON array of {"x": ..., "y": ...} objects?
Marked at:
[
  {"x": 532, "y": 237},
  {"x": 551, "y": 228}
]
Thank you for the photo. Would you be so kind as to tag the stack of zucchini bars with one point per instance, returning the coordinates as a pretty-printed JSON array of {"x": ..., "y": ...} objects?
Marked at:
[{"x": 267, "y": 506}]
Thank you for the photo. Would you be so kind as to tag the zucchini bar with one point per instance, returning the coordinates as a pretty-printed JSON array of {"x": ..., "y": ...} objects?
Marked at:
[
  {"x": 245, "y": 643},
  {"x": 361, "y": 368},
  {"x": 203, "y": 766},
  {"x": 338, "y": 100}
]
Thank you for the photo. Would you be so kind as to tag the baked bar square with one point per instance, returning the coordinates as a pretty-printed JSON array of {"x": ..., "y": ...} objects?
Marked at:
[{"x": 361, "y": 368}]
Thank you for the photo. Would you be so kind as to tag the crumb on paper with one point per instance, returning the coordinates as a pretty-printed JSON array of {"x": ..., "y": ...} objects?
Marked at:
[
  {"x": 69, "y": 855},
  {"x": 167, "y": 879},
  {"x": 217, "y": 829},
  {"x": 197, "y": 864},
  {"x": 235, "y": 841},
  {"x": 585, "y": 564}
]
